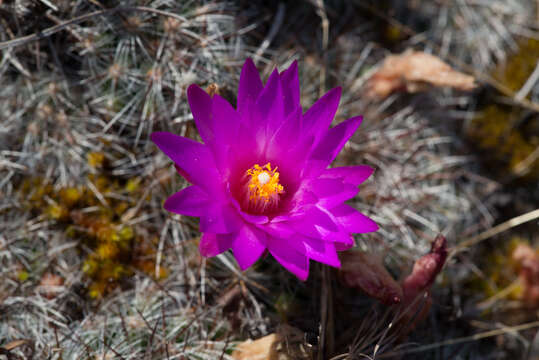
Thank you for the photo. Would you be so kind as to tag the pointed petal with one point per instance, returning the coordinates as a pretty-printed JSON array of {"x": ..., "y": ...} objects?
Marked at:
[
  {"x": 318, "y": 118},
  {"x": 270, "y": 106},
  {"x": 332, "y": 143},
  {"x": 250, "y": 124},
  {"x": 278, "y": 229},
  {"x": 354, "y": 175},
  {"x": 250, "y": 85},
  {"x": 200, "y": 103},
  {"x": 248, "y": 246},
  {"x": 339, "y": 246},
  {"x": 220, "y": 219},
  {"x": 193, "y": 158},
  {"x": 214, "y": 244},
  {"x": 290, "y": 84},
  {"x": 351, "y": 220},
  {"x": 227, "y": 120},
  {"x": 331, "y": 192},
  {"x": 191, "y": 201},
  {"x": 318, "y": 250},
  {"x": 314, "y": 223},
  {"x": 340, "y": 239},
  {"x": 286, "y": 136},
  {"x": 287, "y": 227},
  {"x": 293, "y": 261},
  {"x": 250, "y": 218}
]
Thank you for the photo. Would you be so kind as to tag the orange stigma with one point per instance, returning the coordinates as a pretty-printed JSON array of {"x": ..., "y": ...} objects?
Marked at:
[{"x": 263, "y": 187}]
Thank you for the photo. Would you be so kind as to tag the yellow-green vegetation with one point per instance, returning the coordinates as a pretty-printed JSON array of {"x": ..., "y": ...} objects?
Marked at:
[
  {"x": 495, "y": 131},
  {"x": 95, "y": 220},
  {"x": 502, "y": 131},
  {"x": 518, "y": 67},
  {"x": 96, "y": 159},
  {"x": 501, "y": 272}
]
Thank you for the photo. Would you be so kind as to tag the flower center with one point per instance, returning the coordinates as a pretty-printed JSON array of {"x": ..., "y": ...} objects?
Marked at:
[{"x": 263, "y": 189}]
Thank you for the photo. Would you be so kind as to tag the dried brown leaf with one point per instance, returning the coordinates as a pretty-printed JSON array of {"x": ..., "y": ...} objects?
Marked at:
[
  {"x": 260, "y": 349},
  {"x": 411, "y": 71},
  {"x": 15, "y": 344},
  {"x": 51, "y": 285}
]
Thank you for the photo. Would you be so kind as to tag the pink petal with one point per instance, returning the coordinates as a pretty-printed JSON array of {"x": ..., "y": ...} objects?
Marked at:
[
  {"x": 315, "y": 223},
  {"x": 293, "y": 261},
  {"x": 289, "y": 228},
  {"x": 250, "y": 85},
  {"x": 352, "y": 221},
  {"x": 331, "y": 192},
  {"x": 214, "y": 244},
  {"x": 193, "y": 158},
  {"x": 220, "y": 219},
  {"x": 252, "y": 219},
  {"x": 354, "y": 175},
  {"x": 191, "y": 201},
  {"x": 270, "y": 107},
  {"x": 290, "y": 84},
  {"x": 339, "y": 246},
  {"x": 289, "y": 133},
  {"x": 318, "y": 118},
  {"x": 332, "y": 143},
  {"x": 226, "y": 127},
  {"x": 250, "y": 123},
  {"x": 248, "y": 246},
  {"x": 226, "y": 121},
  {"x": 278, "y": 229},
  {"x": 318, "y": 250},
  {"x": 342, "y": 240},
  {"x": 200, "y": 103}
]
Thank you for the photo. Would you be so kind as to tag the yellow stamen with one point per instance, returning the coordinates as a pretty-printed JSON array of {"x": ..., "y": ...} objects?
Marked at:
[{"x": 263, "y": 185}]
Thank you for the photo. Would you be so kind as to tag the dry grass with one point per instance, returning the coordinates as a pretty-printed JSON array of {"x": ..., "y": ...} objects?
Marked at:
[{"x": 85, "y": 83}]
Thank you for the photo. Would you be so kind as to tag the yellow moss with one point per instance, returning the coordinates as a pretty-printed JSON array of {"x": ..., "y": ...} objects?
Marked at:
[
  {"x": 102, "y": 183},
  {"x": 104, "y": 232},
  {"x": 70, "y": 231},
  {"x": 518, "y": 67},
  {"x": 115, "y": 247},
  {"x": 107, "y": 251},
  {"x": 517, "y": 292},
  {"x": 37, "y": 191},
  {"x": 120, "y": 208},
  {"x": 126, "y": 233},
  {"x": 89, "y": 266},
  {"x": 495, "y": 132},
  {"x": 23, "y": 275},
  {"x": 501, "y": 271},
  {"x": 56, "y": 212},
  {"x": 97, "y": 289},
  {"x": 69, "y": 196},
  {"x": 132, "y": 185},
  {"x": 163, "y": 273},
  {"x": 496, "y": 128},
  {"x": 96, "y": 159},
  {"x": 118, "y": 271},
  {"x": 394, "y": 33}
]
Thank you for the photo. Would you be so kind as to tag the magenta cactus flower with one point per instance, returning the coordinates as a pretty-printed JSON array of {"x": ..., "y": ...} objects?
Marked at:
[{"x": 260, "y": 181}]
